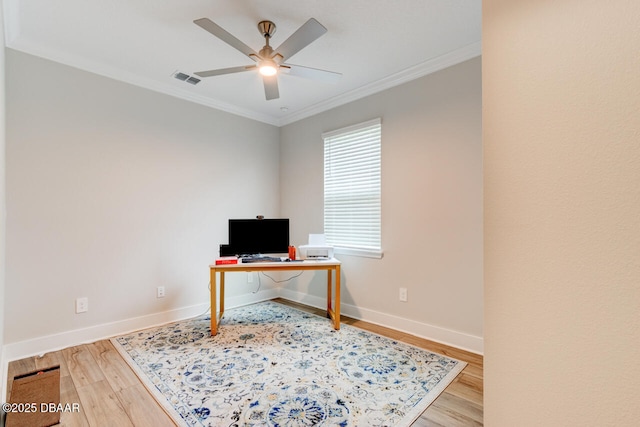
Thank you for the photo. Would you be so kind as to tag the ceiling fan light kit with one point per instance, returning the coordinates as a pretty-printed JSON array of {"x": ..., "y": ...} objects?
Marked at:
[
  {"x": 268, "y": 67},
  {"x": 269, "y": 61}
]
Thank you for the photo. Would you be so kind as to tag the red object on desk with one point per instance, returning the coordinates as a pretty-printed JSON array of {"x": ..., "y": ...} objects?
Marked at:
[{"x": 226, "y": 260}]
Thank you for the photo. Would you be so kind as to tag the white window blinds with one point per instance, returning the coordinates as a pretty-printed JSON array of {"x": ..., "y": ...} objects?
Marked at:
[{"x": 352, "y": 188}]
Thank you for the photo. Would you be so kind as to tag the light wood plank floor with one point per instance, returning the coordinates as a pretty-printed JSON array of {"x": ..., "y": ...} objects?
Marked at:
[{"x": 110, "y": 394}]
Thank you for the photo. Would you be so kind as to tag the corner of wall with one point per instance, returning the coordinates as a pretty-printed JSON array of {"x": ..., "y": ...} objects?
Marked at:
[{"x": 3, "y": 233}]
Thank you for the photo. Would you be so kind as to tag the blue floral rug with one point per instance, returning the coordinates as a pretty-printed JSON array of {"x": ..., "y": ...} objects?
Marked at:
[{"x": 272, "y": 365}]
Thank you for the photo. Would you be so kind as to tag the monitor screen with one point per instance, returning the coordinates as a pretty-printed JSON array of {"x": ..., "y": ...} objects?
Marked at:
[{"x": 258, "y": 236}]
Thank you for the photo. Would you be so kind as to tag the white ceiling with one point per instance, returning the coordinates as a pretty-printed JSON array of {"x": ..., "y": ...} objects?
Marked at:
[{"x": 375, "y": 44}]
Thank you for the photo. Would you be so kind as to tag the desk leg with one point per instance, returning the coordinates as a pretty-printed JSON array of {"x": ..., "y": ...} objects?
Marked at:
[
  {"x": 221, "y": 294},
  {"x": 336, "y": 310},
  {"x": 329, "y": 292},
  {"x": 214, "y": 304}
]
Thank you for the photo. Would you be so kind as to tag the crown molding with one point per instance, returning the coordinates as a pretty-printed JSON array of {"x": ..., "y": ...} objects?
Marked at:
[
  {"x": 412, "y": 73},
  {"x": 136, "y": 80}
]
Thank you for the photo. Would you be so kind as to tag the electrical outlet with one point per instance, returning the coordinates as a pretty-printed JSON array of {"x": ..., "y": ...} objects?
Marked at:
[
  {"x": 160, "y": 292},
  {"x": 82, "y": 305},
  {"x": 249, "y": 276},
  {"x": 403, "y": 294}
]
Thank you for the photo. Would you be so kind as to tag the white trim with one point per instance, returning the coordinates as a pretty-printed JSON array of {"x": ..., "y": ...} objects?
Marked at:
[
  {"x": 449, "y": 337},
  {"x": 45, "y": 344},
  {"x": 368, "y": 123},
  {"x": 431, "y": 66},
  {"x": 252, "y": 298},
  {"x": 41, "y": 345},
  {"x": 136, "y": 80},
  {"x": 444, "y": 61},
  {"x": 54, "y": 342}
]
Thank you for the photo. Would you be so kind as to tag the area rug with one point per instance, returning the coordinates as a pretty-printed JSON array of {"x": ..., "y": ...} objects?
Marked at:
[{"x": 273, "y": 365}]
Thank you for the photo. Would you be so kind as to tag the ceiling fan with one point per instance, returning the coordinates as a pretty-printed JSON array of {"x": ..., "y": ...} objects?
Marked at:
[{"x": 270, "y": 62}]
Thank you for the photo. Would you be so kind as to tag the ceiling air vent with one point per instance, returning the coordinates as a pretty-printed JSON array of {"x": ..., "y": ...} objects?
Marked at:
[{"x": 186, "y": 78}]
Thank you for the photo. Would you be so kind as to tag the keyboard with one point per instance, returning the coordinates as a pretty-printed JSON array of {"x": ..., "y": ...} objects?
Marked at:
[{"x": 250, "y": 259}]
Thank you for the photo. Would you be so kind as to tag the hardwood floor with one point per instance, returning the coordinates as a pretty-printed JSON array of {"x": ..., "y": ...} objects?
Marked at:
[{"x": 110, "y": 394}]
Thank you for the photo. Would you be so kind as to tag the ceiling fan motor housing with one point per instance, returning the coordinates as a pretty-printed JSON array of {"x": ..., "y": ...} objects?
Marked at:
[
  {"x": 266, "y": 52},
  {"x": 267, "y": 29}
]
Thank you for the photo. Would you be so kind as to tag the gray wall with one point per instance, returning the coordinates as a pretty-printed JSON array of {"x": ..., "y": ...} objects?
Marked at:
[
  {"x": 113, "y": 190},
  {"x": 431, "y": 206}
]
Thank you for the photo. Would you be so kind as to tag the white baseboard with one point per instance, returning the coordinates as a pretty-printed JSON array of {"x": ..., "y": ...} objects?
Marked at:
[
  {"x": 46, "y": 344},
  {"x": 54, "y": 342},
  {"x": 451, "y": 338},
  {"x": 252, "y": 298}
]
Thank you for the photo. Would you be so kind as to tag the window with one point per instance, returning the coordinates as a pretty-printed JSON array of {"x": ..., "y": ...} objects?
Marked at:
[{"x": 352, "y": 189}]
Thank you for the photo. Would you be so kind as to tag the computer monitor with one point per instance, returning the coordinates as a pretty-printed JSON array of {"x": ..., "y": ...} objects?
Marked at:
[{"x": 258, "y": 236}]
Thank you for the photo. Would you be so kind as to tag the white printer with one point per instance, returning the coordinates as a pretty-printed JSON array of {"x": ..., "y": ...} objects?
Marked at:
[{"x": 316, "y": 249}]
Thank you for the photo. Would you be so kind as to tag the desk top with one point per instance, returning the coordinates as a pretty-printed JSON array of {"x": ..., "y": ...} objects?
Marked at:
[{"x": 306, "y": 264}]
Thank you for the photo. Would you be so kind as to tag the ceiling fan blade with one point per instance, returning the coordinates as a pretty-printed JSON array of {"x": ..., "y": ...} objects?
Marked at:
[
  {"x": 310, "y": 73},
  {"x": 303, "y": 36},
  {"x": 221, "y": 71},
  {"x": 271, "y": 87},
  {"x": 225, "y": 36}
]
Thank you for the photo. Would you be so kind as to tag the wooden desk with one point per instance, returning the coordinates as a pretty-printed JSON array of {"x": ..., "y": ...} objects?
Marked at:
[{"x": 332, "y": 266}]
